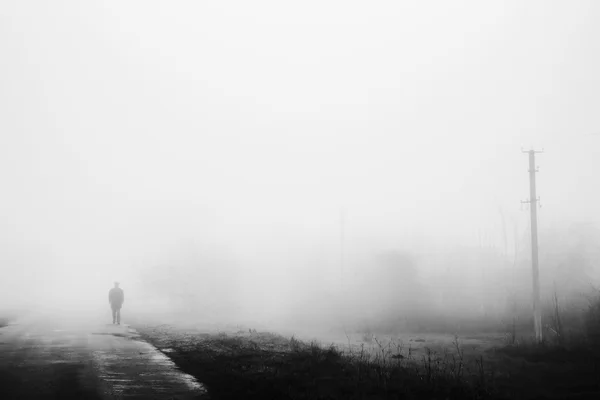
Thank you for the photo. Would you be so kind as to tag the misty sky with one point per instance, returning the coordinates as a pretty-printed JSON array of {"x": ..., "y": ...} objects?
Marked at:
[{"x": 130, "y": 127}]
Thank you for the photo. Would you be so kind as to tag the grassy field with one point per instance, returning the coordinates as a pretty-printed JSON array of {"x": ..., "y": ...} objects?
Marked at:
[
  {"x": 251, "y": 364},
  {"x": 245, "y": 363}
]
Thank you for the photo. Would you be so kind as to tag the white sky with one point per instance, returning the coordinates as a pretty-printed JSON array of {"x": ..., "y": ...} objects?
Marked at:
[{"x": 128, "y": 125}]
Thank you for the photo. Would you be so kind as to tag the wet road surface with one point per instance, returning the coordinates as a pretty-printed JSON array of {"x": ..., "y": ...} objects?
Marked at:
[{"x": 50, "y": 359}]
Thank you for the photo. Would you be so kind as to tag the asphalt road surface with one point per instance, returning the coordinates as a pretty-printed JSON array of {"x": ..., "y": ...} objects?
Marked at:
[{"x": 62, "y": 358}]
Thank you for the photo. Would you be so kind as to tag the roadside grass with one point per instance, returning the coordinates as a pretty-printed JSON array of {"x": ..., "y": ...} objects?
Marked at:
[
  {"x": 565, "y": 365},
  {"x": 546, "y": 370},
  {"x": 251, "y": 364}
]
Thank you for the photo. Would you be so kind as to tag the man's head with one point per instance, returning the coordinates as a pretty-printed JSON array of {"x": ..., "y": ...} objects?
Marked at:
[{"x": 117, "y": 284}]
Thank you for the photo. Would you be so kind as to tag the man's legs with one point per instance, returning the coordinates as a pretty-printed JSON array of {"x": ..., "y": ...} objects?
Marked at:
[
  {"x": 114, "y": 314},
  {"x": 119, "y": 316}
]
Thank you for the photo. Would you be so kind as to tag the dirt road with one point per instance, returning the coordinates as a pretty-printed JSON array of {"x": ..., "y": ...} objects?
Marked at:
[{"x": 50, "y": 358}]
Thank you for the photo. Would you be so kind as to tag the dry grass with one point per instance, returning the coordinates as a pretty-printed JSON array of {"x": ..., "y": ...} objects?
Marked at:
[
  {"x": 265, "y": 365},
  {"x": 255, "y": 364}
]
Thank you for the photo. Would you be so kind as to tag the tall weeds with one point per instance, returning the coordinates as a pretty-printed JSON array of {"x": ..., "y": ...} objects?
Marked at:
[{"x": 393, "y": 365}]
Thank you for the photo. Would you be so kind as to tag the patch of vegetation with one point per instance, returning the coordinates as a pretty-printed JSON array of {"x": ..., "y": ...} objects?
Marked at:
[
  {"x": 251, "y": 364},
  {"x": 565, "y": 365},
  {"x": 265, "y": 365},
  {"x": 547, "y": 371}
]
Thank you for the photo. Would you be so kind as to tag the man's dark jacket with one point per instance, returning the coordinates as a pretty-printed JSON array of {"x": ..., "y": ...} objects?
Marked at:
[{"x": 116, "y": 297}]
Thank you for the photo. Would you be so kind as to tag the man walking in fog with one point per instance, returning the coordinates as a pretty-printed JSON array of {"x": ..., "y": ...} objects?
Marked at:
[{"x": 116, "y": 297}]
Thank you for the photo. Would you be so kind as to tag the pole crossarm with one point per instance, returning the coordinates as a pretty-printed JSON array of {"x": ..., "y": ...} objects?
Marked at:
[
  {"x": 532, "y": 151},
  {"x": 529, "y": 201}
]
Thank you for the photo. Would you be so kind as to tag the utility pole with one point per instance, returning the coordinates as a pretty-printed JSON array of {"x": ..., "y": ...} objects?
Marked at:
[
  {"x": 342, "y": 222},
  {"x": 533, "y": 200}
]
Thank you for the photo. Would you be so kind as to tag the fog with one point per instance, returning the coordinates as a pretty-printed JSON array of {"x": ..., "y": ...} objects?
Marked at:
[{"x": 285, "y": 164}]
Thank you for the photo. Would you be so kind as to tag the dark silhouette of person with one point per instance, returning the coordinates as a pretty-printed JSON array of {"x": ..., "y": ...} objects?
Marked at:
[{"x": 116, "y": 297}]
